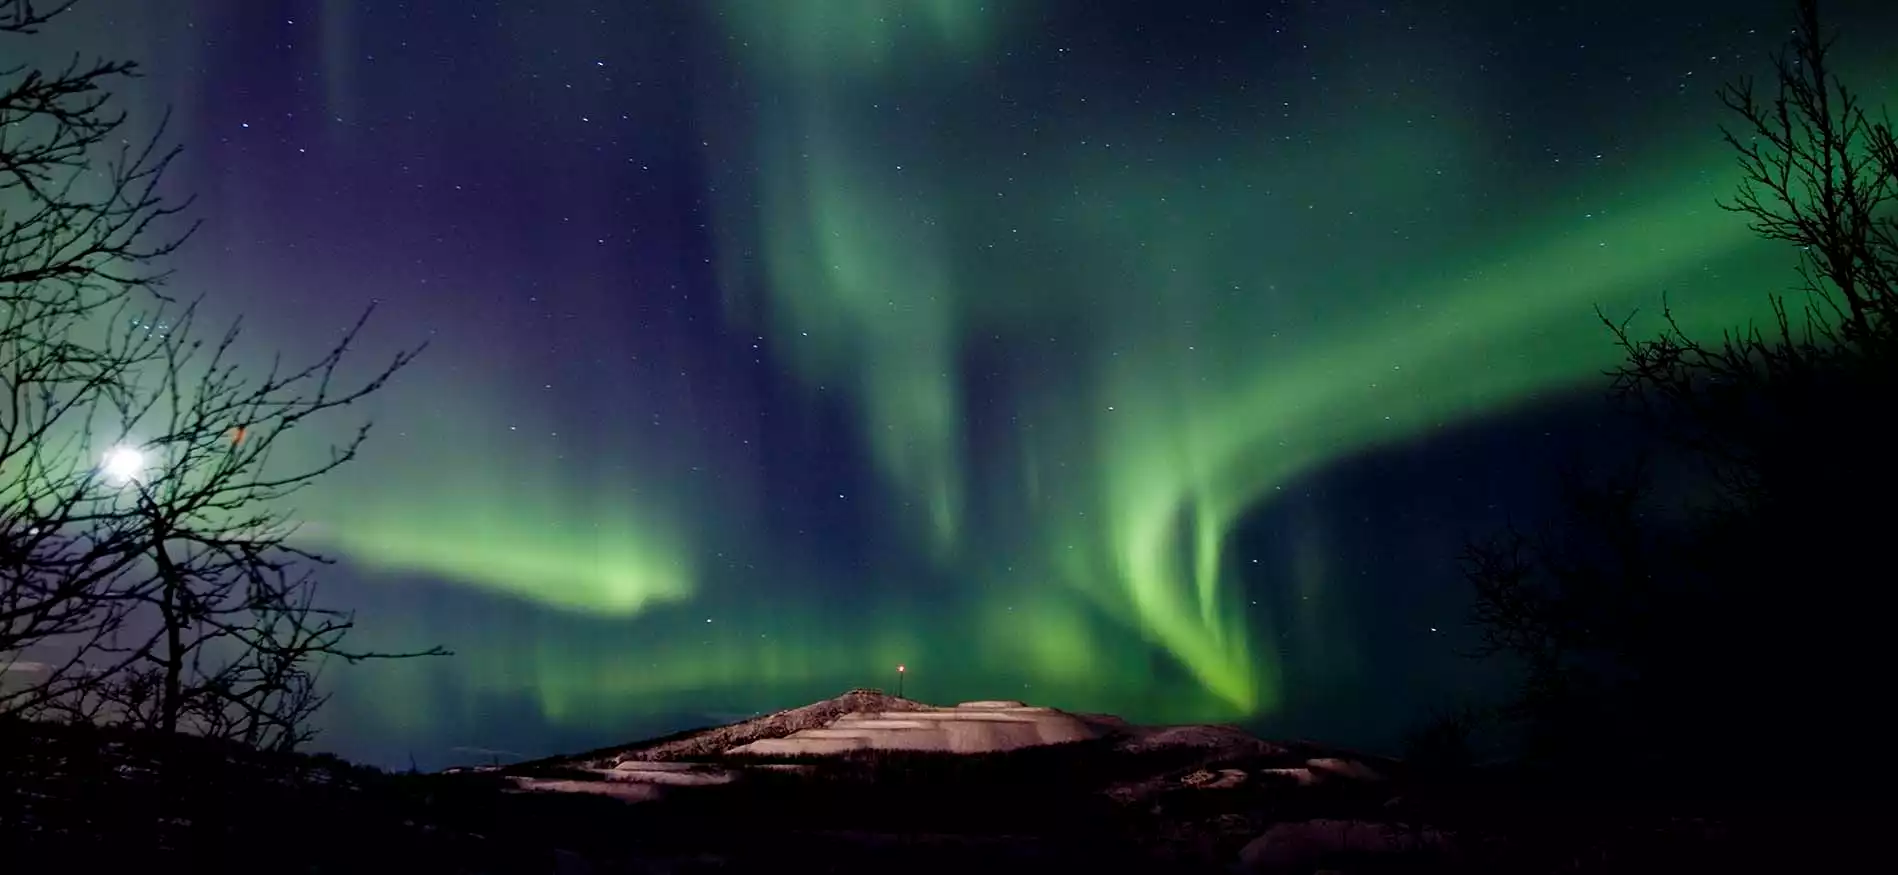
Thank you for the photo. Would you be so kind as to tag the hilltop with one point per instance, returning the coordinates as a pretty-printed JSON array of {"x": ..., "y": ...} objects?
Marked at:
[{"x": 865, "y": 719}]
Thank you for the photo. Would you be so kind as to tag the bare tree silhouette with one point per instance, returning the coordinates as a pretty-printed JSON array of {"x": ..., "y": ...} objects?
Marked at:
[
  {"x": 1821, "y": 175},
  {"x": 1694, "y": 629},
  {"x": 147, "y": 571},
  {"x": 81, "y": 227}
]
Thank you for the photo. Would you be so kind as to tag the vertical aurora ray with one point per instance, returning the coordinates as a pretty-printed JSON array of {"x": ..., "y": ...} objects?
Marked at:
[
  {"x": 1214, "y": 353},
  {"x": 858, "y": 266},
  {"x": 859, "y": 285},
  {"x": 336, "y": 35}
]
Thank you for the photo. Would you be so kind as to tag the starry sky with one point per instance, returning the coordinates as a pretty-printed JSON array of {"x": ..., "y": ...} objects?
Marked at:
[{"x": 1121, "y": 356}]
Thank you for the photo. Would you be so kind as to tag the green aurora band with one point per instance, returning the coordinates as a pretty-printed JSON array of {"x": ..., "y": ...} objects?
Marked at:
[
  {"x": 1202, "y": 307},
  {"x": 885, "y": 254}
]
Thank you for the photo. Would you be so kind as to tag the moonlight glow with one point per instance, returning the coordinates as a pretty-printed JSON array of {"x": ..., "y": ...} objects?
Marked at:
[{"x": 123, "y": 465}]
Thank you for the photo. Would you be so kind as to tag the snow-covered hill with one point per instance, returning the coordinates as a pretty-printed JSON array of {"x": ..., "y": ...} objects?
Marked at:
[{"x": 865, "y": 720}]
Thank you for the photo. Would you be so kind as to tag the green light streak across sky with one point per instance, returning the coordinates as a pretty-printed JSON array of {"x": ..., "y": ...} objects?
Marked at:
[
  {"x": 886, "y": 249},
  {"x": 511, "y": 519},
  {"x": 1199, "y": 309}
]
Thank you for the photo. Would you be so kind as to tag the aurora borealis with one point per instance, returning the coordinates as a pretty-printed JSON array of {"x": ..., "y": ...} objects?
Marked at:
[{"x": 776, "y": 342}]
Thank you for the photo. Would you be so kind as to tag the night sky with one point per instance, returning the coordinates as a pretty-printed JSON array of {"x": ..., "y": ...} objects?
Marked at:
[{"x": 1142, "y": 357}]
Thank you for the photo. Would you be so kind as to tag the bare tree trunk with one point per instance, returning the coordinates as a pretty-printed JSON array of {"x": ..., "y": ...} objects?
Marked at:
[{"x": 170, "y": 704}]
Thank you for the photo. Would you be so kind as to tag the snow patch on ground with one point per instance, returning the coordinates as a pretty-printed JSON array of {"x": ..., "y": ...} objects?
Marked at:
[
  {"x": 624, "y": 791},
  {"x": 972, "y": 727},
  {"x": 1344, "y": 768},
  {"x": 668, "y": 774},
  {"x": 631, "y": 781}
]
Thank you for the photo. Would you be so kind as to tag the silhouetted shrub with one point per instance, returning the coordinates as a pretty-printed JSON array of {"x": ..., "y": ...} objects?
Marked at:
[{"x": 1680, "y": 639}]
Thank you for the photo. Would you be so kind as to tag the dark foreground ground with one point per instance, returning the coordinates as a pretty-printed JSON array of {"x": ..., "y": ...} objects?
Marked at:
[{"x": 84, "y": 799}]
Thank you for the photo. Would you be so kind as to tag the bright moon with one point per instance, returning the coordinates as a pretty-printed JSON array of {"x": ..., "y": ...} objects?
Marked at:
[{"x": 123, "y": 464}]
